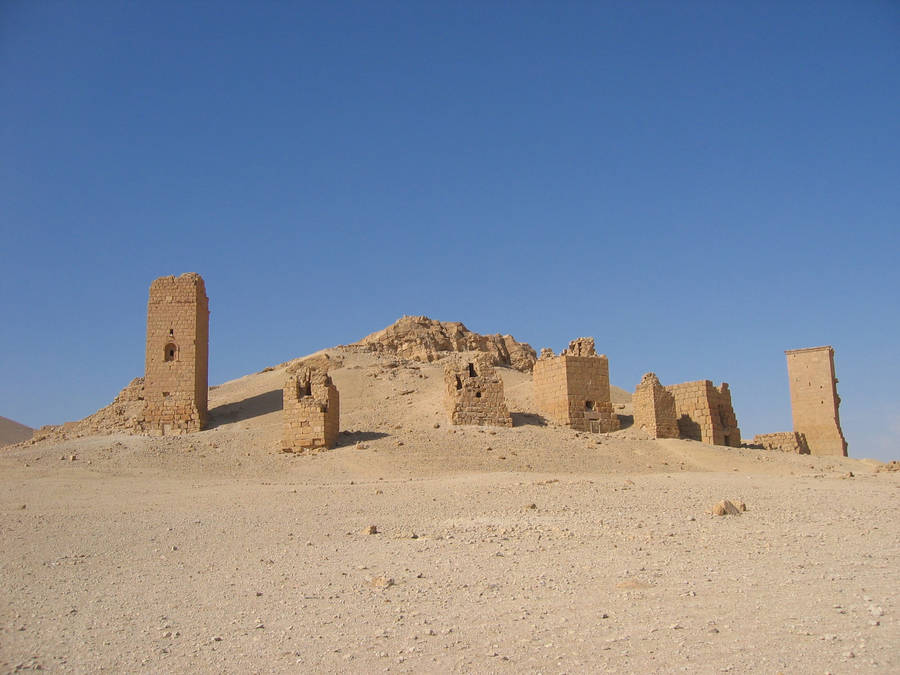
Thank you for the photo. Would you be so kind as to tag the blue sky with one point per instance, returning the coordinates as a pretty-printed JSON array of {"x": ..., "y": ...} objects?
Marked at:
[{"x": 698, "y": 185}]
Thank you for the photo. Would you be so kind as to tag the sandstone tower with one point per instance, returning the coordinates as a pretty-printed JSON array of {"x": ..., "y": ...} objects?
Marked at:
[
  {"x": 175, "y": 375},
  {"x": 654, "y": 408},
  {"x": 473, "y": 392},
  {"x": 815, "y": 401},
  {"x": 572, "y": 389},
  {"x": 312, "y": 410},
  {"x": 704, "y": 413}
]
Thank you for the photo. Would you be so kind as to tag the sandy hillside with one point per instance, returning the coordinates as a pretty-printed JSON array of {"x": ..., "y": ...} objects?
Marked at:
[
  {"x": 533, "y": 548},
  {"x": 13, "y": 432}
]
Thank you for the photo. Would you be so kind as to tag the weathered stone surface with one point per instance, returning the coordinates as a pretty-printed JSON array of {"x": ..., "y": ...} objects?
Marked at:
[
  {"x": 175, "y": 376},
  {"x": 419, "y": 338},
  {"x": 572, "y": 389},
  {"x": 783, "y": 441},
  {"x": 311, "y": 410},
  {"x": 654, "y": 408},
  {"x": 474, "y": 391},
  {"x": 815, "y": 401},
  {"x": 704, "y": 413}
]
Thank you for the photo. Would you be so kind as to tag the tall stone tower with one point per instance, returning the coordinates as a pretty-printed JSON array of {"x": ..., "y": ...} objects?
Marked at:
[
  {"x": 175, "y": 375},
  {"x": 815, "y": 401}
]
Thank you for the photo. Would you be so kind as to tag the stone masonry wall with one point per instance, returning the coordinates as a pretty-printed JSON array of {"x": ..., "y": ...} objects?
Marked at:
[
  {"x": 815, "y": 401},
  {"x": 654, "y": 408},
  {"x": 704, "y": 413},
  {"x": 783, "y": 441},
  {"x": 474, "y": 392},
  {"x": 177, "y": 355},
  {"x": 311, "y": 410},
  {"x": 572, "y": 389}
]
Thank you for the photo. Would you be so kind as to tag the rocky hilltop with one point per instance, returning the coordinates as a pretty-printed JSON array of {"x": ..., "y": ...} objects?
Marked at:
[{"x": 419, "y": 338}]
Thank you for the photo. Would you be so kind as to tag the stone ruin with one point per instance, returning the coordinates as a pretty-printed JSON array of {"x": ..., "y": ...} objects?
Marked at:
[
  {"x": 572, "y": 389},
  {"x": 312, "y": 410},
  {"x": 783, "y": 441},
  {"x": 175, "y": 377},
  {"x": 654, "y": 408},
  {"x": 815, "y": 401},
  {"x": 704, "y": 413},
  {"x": 474, "y": 392}
]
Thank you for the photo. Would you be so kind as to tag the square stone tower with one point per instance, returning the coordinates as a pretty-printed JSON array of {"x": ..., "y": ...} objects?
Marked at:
[
  {"x": 312, "y": 410},
  {"x": 572, "y": 389},
  {"x": 815, "y": 401},
  {"x": 654, "y": 408},
  {"x": 473, "y": 392},
  {"x": 175, "y": 376},
  {"x": 704, "y": 413}
]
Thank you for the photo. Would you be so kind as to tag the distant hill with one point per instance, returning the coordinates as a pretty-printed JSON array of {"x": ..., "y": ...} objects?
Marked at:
[{"x": 13, "y": 432}]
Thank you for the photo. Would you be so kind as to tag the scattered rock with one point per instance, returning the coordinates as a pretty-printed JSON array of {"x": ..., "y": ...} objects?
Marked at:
[
  {"x": 372, "y": 529},
  {"x": 381, "y": 582},
  {"x": 726, "y": 508},
  {"x": 531, "y": 506}
]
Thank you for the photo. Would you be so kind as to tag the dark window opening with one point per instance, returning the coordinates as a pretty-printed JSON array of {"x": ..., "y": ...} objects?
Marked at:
[
  {"x": 171, "y": 351},
  {"x": 458, "y": 382},
  {"x": 171, "y": 332},
  {"x": 477, "y": 394},
  {"x": 588, "y": 405},
  {"x": 306, "y": 389},
  {"x": 727, "y": 440},
  {"x": 472, "y": 372}
]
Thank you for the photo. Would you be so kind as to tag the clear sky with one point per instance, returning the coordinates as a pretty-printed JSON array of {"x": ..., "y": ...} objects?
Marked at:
[{"x": 698, "y": 185}]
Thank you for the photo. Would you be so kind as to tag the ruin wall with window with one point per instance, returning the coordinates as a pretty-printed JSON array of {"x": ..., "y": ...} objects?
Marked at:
[
  {"x": 572, "y": 389},
  {"x": 704, "y": 413},
  {"x": 474, "y": 392},
  {"x": 175, "y": 376},
  {"x": 311, "y": 410}
]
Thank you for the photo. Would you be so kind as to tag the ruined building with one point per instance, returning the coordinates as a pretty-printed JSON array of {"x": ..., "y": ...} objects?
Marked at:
[
  {"x": 654, "y": 408},
  {"x": 175, "y": 375},
  {"x": 783, "y": 441},
  {"x": 704, "y": 413},
  {"x": 312, "y": 410},
  {"x": 474, "y": 392},
  {"x": 572, "y": 389},
  {"x": 815, "y": 401}
]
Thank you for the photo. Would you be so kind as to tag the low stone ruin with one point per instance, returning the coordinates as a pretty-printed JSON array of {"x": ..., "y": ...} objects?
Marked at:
[
  {"x": 654, "y": 408},
  {"x": 572, "y": 389},
  {"x": 474, "y": 392},
  {"x": 704, "y": 413},
  {"x": 783, "y": 441},
  {"x": 311, "y": 410}
]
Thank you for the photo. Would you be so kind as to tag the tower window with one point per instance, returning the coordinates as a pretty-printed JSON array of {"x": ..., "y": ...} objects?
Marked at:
[{"x": 171, "y": 352}]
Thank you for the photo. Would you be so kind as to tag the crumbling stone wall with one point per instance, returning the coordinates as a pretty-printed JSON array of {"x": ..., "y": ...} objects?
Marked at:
[
  {"x": 704, "y": 413},
  {"x": 572, "y": 389},
  {"x": 815, "y": 401},
  {"x": 654, "y": 408},
  {"x": 474, "y": 392},
  {"x": 175, "y": 376},
  {"x": 311, "y": 410},
  {"x": 783, "y": 441}
]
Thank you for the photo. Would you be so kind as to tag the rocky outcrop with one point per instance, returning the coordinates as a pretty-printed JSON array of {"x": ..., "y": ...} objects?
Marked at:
[
  {"x": 124, "y": 414},
  {"x": 418, "y": 338}
]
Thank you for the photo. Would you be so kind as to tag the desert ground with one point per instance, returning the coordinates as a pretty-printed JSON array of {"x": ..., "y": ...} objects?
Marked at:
[{"x": 526, "y": 549}]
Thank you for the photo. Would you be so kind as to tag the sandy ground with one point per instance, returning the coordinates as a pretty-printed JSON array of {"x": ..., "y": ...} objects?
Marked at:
[{"x": 534, "y": 549}]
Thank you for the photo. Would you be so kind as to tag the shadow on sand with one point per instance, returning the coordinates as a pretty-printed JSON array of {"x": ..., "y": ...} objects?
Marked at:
[
  {"x": 261, "y": 404},
  {"x": 348, "y": 438},
  {"x": 625, "y": 421},
  {"x": 520, "y": 419}
]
